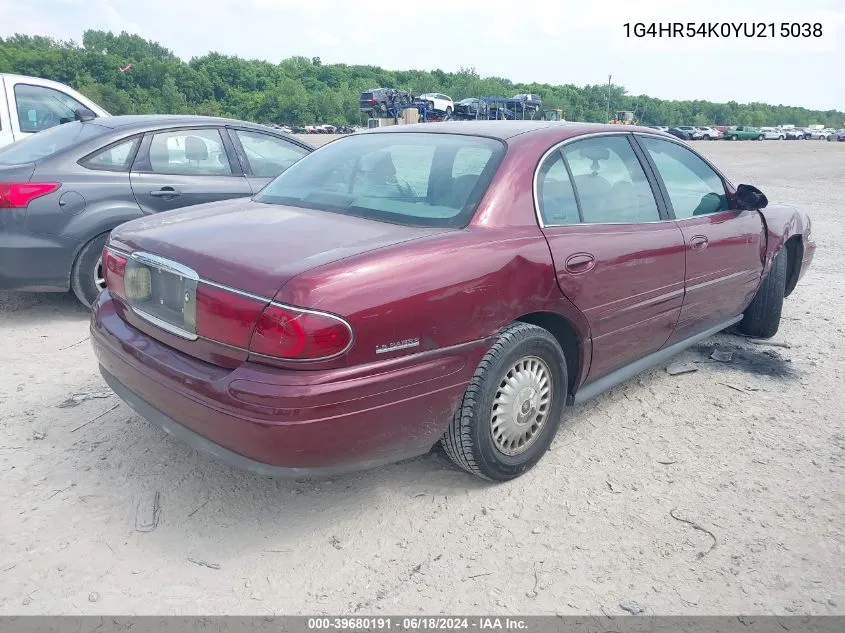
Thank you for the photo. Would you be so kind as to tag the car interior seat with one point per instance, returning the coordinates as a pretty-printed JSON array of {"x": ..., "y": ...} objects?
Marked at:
[{"x": 195, "y": 150}]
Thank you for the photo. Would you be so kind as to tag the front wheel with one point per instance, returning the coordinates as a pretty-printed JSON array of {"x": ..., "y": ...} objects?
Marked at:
[
  {"x": 512, "y": 408},
  {"x": 86, "y": 277},
  {"x": 761, "y": 137},
  {"x": 762, "y": 317},
  {"x": 448, "y": 112}
]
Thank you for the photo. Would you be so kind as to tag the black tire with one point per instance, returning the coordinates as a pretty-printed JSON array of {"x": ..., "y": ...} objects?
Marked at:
[
  {"x": 469, "y": 439},
  {"x": 82, "y": 280},
  {"x": 762, "y": 317},
  {"x": 381, "y": 110},
  {"x": 448, "y": 112},
  {"x": 761, "y": 137}
]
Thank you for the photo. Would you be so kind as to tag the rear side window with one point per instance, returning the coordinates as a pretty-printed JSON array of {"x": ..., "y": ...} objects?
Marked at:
[
  {"x": 116, "y": 157},
  {"x": 189, "y": 152},
  {"x": 414, "y": 178},
  {"x": 611, "y": 184},
  {"x": 49, "y": 142},
  {"x": 556, "y": 196}
]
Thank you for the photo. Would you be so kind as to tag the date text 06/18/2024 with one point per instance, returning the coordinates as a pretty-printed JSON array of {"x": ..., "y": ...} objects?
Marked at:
[{"x": 421, "y": 623}]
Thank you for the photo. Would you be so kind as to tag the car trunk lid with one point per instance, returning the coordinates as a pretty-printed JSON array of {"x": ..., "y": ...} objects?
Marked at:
[
  {"x": 181, "y": 265},
  {"x": 258, "y": 247}
]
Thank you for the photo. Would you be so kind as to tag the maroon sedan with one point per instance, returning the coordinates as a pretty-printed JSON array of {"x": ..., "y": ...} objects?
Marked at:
[{"x": 459, "y": 283}]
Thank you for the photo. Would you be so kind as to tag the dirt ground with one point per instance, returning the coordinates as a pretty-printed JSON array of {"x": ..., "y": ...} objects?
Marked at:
[{"x": 714, "y": 492}]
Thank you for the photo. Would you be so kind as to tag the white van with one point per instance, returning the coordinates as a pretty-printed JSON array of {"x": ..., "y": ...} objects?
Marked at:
[{"x": 30, "y": 104}]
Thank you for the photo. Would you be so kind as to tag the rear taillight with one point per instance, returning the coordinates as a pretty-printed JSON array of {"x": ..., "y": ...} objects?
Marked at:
[
  {"x": 114, "y": 270},
  {"x": 241, "y": 321},
  {"x": 18, "y": 195},
  {"x": 285, "y": 332},
  {"x": 225, "y": 316}
]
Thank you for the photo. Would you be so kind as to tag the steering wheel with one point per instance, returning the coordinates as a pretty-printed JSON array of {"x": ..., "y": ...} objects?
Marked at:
[{"x": 48, "y": 119}]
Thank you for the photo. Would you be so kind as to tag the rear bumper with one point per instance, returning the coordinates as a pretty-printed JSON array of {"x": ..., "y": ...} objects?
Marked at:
[
  {"x": 280, "y": 422},
  {"x": 32, "y": 262}
]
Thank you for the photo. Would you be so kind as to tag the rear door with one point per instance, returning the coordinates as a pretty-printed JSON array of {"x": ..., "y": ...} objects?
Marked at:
[
  {"x": 616, "y": 254},
  {"x": 724, "y": 247},
  {"x": 183, "y": 167},
  {"x": 264, "y": 156}
]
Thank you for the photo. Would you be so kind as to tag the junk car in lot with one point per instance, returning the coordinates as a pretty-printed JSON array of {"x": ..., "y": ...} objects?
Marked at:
[
  {"x": 460, "y": 283},
  {"x": 63, "y": 189},
  {"x": 744, "y": 133}
]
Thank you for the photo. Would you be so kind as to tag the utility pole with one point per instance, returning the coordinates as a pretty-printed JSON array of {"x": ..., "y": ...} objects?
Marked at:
[{"x": 607, "y": 116}]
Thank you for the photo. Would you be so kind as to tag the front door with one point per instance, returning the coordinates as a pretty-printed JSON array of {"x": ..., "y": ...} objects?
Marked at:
[
  {"x": 724, "y": 247},
  {"x": 616, "y": 258},
  {"x": 180, "y": 168}
]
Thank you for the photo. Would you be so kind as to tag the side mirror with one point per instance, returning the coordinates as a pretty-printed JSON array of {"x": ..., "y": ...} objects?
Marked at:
[
  {"x": 84, "y": 114},
  {"x": 749, "y": 197}
]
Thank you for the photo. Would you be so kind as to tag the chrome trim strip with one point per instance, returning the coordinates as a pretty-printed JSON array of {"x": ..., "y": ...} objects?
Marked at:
[
  {"x": 164, "y": 325},
  {"x": 242, "y": 293},
  {"x": 167, "y": 265}
]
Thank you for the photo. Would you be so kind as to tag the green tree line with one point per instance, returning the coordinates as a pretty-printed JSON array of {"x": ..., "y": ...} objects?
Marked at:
[{"x": 300, "y": 90}]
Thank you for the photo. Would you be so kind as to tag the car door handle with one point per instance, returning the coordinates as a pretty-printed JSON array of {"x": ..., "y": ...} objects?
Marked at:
[
  {"x": 166, "y": 192},
  {"x": 580, "y": 263},
  {"x": 698, "y": 243}
]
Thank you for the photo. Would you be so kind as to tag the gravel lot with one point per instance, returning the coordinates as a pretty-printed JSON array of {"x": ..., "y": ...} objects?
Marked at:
[{"x": 751, "y": 451}]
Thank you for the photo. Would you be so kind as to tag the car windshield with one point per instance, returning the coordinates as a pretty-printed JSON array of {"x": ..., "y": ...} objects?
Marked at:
[
  {"x": 48, "y": 142},
  {"x": 413, "y": 178}
]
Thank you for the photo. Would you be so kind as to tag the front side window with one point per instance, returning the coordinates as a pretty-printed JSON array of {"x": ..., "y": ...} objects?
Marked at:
[
  {"x": 40, "y": 108},
  {"x": 190, "y": 153},
  {"x": 693, "y": 187},
  {"x": 268, "y": 155},
  {"x": 417, "y": 178},
  {"x": 611, "y": 184}
]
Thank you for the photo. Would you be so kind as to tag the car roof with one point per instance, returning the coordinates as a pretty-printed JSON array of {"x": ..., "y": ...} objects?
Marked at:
[
  {"x": 503, "y": 130},
  {"x": 144, "y": 121}
]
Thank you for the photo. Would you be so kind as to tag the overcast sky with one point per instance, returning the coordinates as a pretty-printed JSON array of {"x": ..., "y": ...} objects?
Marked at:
[{"x": 554, "y": 41}]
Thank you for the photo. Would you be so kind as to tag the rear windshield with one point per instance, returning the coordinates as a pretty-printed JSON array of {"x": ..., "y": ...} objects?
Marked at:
[
  {"x": 366, "y": 95},
  {"x": 415, "y": 178},
  {"x": 48, "y": 142}
]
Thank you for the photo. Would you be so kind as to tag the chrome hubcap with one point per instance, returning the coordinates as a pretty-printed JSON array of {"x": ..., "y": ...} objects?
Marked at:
[
  {"x": 521, "y": 405},
  {"x": 99, "y": 276}
]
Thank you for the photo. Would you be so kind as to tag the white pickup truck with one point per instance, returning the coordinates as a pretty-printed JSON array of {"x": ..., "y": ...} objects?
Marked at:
[{"x": 30, "y": 104}]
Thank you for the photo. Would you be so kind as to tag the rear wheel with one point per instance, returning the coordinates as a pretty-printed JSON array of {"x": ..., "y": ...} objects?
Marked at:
[
  {"x": 448, "y": 112},
  {"x": 86, "y": 278},
  {"x": 762, "y": 317},
  {"x": 512, "y": 408},
  {"x": 761, "y": 137}
]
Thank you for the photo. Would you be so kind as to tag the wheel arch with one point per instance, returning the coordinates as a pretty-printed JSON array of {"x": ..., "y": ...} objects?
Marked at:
[
  {"x": 794, "y": 256},
  {"x": 784, "y": 226},
  {"x": 574, "y": 348}
]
